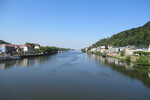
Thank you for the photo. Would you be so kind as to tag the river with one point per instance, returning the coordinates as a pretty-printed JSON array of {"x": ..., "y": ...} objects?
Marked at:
[{"x": 73, "y": 76}]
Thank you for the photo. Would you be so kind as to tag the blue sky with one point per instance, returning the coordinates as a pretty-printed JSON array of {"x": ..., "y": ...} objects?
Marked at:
[{"x": 69, "y": 23}]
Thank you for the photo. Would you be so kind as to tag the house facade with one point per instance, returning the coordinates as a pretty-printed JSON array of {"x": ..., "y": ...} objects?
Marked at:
[
  {"x": 36, "y": 47},
  {"x": 102, "y": 49},
  {"x": 2, "y": 48},
  {"x": 6, "y": 49},
  {"x": 26, "y": 48}
]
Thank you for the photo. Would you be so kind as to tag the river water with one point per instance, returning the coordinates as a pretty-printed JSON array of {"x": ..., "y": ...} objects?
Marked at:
[{"x": 73, "y": 76}]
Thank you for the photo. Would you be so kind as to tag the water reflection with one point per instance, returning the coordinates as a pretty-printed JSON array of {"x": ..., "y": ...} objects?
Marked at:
[
  {"x": 141, "y": 73},
  {"x": 24, "y": 62},
  {"x": 72, "y": 76}
]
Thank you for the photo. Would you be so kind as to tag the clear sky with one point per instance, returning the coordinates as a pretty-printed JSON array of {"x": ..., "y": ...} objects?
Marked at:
[{"x": 69, "y": 23}]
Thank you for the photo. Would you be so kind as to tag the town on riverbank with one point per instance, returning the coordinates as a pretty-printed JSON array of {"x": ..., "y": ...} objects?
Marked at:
[
  {"x": 12, "y": 51},
  {"x": 139, "y": 55},
  {"x": 132, "y": 45}
]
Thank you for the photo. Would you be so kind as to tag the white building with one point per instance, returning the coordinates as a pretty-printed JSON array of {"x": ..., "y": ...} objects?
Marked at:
[
  {"x": 26, "y": 47},
  {"x": 93, "y": 49},
  {"x": 113, "y": 50},
  {"x": 122, "y": 49},
  {"x": 86, "y": 48},
  {"x": 37, "y": 47},
  {"x": 2, "y": 48}
]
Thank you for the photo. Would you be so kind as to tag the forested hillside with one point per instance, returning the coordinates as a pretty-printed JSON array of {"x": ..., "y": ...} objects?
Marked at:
[
  {"x": 139, "y": 36},
  {"x": 3, "y": 42}
]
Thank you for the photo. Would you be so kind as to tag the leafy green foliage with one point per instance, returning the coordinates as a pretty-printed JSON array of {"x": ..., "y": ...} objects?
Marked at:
[
  {"x": 64, "y": 49},
  {"x": 143, "y": 60},
  {"x": 98, "y": 53},
  {"x": 122, "y": 53},
  {"x": 142, "y": 53},
  {"x": 48, "y": 49},
  {"x": 83, "y": 50},
  {"x": 128, "y": 59},
  {"x": 31, "y": 44},
  {"x": 136, "y": 36}
]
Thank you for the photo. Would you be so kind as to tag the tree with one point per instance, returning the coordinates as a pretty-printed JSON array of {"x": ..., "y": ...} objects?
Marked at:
[
  {"x": 122, "y": 53},
  {"x": 31, "y": 44},
  {"x": 142, "y": 53},
  {"x": 48, "y": 49},
  {"x": 128, "y": 59}
]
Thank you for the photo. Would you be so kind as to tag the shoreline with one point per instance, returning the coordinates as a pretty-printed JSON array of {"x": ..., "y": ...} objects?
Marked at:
[
  {"x": 18, "y": 57},
  {"x": 133, "y": 58}
]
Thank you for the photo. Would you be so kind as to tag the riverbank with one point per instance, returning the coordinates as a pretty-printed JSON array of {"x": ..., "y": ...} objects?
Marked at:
[
  {"x": 9, "y": 58},
  {"x": 135, "y": 59},
  {"x": 16, "y": 57}
]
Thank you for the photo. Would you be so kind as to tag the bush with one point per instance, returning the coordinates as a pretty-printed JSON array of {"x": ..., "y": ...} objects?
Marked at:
[
  {"x": 121, "y": 53},
  {"x": 83, "y": 50},
  {"x": 143, "y": 60},
  {"x": 128, "y": 59},
  {"x": 48, "y": 49}
]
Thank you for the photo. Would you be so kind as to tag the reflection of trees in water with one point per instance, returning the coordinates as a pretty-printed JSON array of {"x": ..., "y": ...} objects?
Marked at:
[
  {"x": 25, "y": 62},
  {"x": 141, "y": 73}
]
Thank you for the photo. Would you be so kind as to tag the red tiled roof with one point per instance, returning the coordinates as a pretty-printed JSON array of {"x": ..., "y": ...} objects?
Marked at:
[{"x": 26, "y": 45}]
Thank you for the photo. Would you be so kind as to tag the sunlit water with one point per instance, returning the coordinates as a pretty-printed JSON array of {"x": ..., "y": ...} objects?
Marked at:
[{"x": 73, "y": 76}]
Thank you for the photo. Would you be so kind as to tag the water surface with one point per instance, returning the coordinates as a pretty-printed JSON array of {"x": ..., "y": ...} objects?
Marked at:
[{"x": 73, "y": 76}]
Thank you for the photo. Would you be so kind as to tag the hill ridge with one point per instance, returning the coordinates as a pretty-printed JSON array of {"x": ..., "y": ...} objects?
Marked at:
[
  {"x": 139, "y": 36},
  {"x": 3, "y": 42}
]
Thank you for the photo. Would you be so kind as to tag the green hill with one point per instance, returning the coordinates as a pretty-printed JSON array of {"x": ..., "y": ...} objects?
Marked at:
[
  {"x": 139, "y": 36},
  {"x": 3, "y": 42}
]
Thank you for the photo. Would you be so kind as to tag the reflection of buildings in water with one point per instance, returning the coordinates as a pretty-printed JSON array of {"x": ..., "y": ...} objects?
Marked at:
[
  {"x": 85, "y": 56},
  {"x": 93, "y": 56},
  {"x": 33, "y": 61},
  {"x": 97, "y": 58},
  {"x": 149, "y": 73},
  {"x": 7, "y": 64},
  {"x": 38, "y": 60},
  {"x": 125, "y": 68},
  {"x": 129, "y": 66},
  {"x": 110, "y": 60},
  {"x": 22, "y": 62},
  {"x": 116, "y": 62},
  {"x": 2, "y": 66},
  {"x": 102, "y": 59},
  {"x": 121, "y": 63},
  {"x": 25, "y": 62}
]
